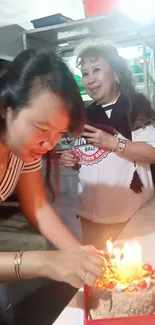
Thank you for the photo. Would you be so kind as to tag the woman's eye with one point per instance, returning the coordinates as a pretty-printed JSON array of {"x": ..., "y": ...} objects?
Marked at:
[
  {"x": 96, "y": 70},
  {"x": 84, "y": 74},
  {"x": 40, "y": 129},
  {"x": 43, "y": 129}
]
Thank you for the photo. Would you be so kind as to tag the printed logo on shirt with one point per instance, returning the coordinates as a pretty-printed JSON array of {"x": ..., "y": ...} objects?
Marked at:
[{"x": 88, "y": 153}]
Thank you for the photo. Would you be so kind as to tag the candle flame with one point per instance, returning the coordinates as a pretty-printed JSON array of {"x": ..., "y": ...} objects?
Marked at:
[
  {"x": 125, "y": 270},
  {"x": 127, "y": 261},
  {"x": 117, "y": 254},
  {"x": 109, "y": 246},
  {"x": 129, "y": 255}
]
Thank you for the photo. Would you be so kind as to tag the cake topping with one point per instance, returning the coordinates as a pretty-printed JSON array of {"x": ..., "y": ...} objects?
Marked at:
[{"x": 126, "y": 270}]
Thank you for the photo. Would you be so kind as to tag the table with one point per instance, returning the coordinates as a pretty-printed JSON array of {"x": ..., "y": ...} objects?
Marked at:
[{"x": 140, "y": 228}]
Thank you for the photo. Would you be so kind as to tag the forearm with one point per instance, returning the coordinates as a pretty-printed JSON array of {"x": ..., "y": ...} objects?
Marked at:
[
  {"x": 30, "y": 267},
  {"x": 139, "y": 151},
  {"x": 134, "y": 151},
  {"x": 52, "y": 227}
]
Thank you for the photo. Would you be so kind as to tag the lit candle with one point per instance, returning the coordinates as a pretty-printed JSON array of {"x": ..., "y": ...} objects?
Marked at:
[
  {"x": 125, "y": 269},
  {"x": 127, "y": 262},
  {"x": 109, "y": 247}
]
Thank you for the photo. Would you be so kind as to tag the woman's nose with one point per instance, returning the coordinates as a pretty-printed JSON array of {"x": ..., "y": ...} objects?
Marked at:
[
  {"x": 91, "y": 79},
  {"x": 47, "y": 146}
]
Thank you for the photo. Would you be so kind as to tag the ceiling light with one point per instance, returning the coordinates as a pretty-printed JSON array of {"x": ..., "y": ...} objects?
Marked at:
[{"x": 138, "y": 10}]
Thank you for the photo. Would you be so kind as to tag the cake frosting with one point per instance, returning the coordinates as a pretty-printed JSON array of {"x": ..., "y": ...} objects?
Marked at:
[{"x": 117, "y": 295}]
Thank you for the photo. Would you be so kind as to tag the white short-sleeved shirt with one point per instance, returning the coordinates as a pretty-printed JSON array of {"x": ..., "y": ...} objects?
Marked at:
[
  {"x": 104, "y": 181},
  {"x": 16, "y": 167}
]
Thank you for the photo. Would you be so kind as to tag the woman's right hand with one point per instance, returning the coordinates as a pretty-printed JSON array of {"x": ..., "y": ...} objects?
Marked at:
[
  {"x": 74, "y": 265},
  {"x": 69, "y": 158}
]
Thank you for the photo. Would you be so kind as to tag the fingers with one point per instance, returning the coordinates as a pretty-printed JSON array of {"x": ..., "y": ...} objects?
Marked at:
[
  {"x": 68, "y": 155},
  {"x": 76, "y": 282},
  {"x": 95, "y": 252},
  {"x": 68, "y": 163},
  {"x": 97, "y": 271},
  {"x": 68, "y": 158},
  {"x": 86, "y": 277},
  {"x": 93, "y": 141},
  {"x": 90, "y": 279},
  {"x": 90, "y": 128},
  {"x": 89, "y": 135},
  {"x": 96, "y": 258},
  {"x": 84, "y": 265},
  {"x": 90, "y": 248}
]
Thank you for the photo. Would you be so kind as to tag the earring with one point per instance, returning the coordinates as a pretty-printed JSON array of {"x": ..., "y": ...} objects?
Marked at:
[
  {"x": 117, "y": 81},
  {"x": 5, "y": 112}
]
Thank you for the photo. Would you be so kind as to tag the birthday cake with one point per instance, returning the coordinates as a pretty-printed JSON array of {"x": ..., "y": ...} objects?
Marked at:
[{"x": 127, "y": 287}]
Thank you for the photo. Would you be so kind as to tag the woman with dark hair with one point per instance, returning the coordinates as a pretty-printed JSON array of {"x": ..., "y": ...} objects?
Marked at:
[
  {"x": 39, "y": 101},
  {"x": 4, "y": 66},
  {"x": 117, "y": 147}
]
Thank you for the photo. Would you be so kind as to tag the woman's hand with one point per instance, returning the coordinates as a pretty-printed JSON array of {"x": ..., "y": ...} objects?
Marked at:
[
  {"x": 69, "y": 158},
  {"x": 100, "y": 138},
  {"x": 75, "y": 265}
]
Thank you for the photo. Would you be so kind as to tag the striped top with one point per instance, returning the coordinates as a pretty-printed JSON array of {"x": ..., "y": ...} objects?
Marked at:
[{"x": 15, "y": 168}]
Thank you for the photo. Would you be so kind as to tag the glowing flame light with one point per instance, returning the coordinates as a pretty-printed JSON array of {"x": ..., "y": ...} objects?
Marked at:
[
  {"x": 109, "y": 247},
  {"x": 130, "y": 254},
  {"x": 124, "y": 269},
  {"x": 126, "y": 260},
  {"x": 117, "y": 254}
]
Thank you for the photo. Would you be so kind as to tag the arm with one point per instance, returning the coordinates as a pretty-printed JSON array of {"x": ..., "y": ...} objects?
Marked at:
[
  {"x": 71, "y": 265},
  {"x": 39, "y": 212},
  {"x": 135, "y": 151},
  {"x": 31, "y": 265},
  {"x": 139, "y": 151}
]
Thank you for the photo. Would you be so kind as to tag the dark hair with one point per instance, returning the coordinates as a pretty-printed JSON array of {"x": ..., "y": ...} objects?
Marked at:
[
  {"x": 118, "y": 64},
  {"x": 4, "y": 65},
  {"x": 30, "y": 72}
]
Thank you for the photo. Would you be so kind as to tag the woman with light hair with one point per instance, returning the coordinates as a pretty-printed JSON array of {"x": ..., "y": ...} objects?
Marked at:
[{"x": 116, "y": 151}]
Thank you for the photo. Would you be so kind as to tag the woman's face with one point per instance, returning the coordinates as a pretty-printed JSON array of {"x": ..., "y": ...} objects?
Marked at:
[
  {"x": 98, "y": 79},
  {"x": 38, "y": 127}
]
